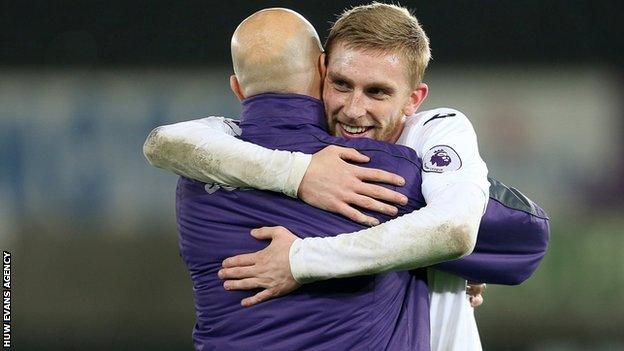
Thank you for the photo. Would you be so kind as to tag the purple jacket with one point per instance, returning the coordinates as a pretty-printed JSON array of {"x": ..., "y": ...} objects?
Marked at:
[{"x": 378, "y": 312}]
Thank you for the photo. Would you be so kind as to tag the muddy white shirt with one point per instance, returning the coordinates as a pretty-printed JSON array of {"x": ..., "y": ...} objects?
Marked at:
[{"x": 206, "y": 150}]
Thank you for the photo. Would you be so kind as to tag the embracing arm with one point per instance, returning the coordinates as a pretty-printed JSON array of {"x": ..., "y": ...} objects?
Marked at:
[
  {"x": 207, "y": 150},
  {"x": 417, "y": 239},
  {"x": 512, "y": 240},
  {"x": 438, "y": 232}
]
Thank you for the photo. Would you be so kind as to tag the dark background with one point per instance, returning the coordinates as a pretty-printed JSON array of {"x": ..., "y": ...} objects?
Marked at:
[{"x": 139, "y": 33}]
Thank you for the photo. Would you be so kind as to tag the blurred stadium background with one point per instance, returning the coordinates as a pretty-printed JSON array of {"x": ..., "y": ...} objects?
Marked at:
[{"x": 91, "y": 225}]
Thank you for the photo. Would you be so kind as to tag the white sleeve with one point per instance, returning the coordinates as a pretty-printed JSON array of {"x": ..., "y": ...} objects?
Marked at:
[
  {"x": 441, "y": 231},
  {"x": 456, "y": 190},
  {"x": 207, "y": 150},
  {"x": 447, "y": 144}
]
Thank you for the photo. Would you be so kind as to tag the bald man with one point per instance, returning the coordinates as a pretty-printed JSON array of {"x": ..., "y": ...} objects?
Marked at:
[
  {"x": 385, "y": 311},
  {"x": 270, "y": 63}
]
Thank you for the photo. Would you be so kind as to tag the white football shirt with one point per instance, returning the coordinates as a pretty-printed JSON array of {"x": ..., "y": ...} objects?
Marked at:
[{"x": 445, "y": 141}]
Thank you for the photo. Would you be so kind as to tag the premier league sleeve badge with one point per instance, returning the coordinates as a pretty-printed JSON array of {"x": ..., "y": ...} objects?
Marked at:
[{"x": 440, "y": 159}]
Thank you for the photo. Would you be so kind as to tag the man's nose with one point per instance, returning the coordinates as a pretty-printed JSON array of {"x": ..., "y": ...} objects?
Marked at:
[{"x": 354, "y": 106}]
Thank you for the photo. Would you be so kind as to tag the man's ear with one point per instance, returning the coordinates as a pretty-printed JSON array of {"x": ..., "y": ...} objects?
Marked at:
[
  {"x": 322, "y": 66},
  {"x": 322, "y": 70},
  {"x": 236, "y": 88},
  {"x": 417, "y": 96}
]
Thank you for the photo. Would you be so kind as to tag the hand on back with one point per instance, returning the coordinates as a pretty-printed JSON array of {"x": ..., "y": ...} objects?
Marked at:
[{"x": 331, "y": 183}]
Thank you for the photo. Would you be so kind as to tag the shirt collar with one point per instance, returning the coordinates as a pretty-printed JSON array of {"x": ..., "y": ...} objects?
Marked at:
[{"x": 272, "y": 110}]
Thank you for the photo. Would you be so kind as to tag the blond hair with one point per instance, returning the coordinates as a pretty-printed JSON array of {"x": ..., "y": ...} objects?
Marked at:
[{"x": 383, "y": 28}]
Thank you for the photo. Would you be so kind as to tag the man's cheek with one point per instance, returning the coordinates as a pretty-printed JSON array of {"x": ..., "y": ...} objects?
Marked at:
[{"x": 331, "y": 100}]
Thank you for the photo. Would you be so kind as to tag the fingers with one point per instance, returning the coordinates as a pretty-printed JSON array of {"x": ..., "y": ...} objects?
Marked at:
[
  {"x": 237, "y": 272},
  {"x": 476, "y": 301},
  {"x": 257, "y": 298},
  {"x": 378, "y": 176},
  {"x": 380, "y": 193},
  {"x": 240, "y": 260},
  {"x": 351, "y": 155},
  {"x": 243, "y": 284},
  {"x": 373, "y": 205},
  {"x": 475, "y": 289},
  {"x": 265, "y": 233},
  {"x": 355, "y": 215}
]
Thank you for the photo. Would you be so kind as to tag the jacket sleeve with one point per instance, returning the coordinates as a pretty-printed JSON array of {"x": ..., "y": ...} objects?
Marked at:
[{"x": 511, "y": 242}]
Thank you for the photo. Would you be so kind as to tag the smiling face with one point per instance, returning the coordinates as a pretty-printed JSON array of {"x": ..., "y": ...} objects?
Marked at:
[{"x": 368, "y": 94}]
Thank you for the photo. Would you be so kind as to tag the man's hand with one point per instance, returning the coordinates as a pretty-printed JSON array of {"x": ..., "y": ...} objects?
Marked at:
[
  {"x": 267, "y": 269},
  {"x": 475, "y": 290},
  {"x": 332, "y": 184}
]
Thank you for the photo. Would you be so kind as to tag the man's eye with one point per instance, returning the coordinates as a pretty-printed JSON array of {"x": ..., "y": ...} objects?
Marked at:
[
  {"x": 377, "y": 93},
  {"x": 341, "y": 86}
]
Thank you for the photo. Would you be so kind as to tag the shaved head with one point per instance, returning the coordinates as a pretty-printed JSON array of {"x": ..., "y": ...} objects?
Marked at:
[{"x": 276, "y": 50}]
